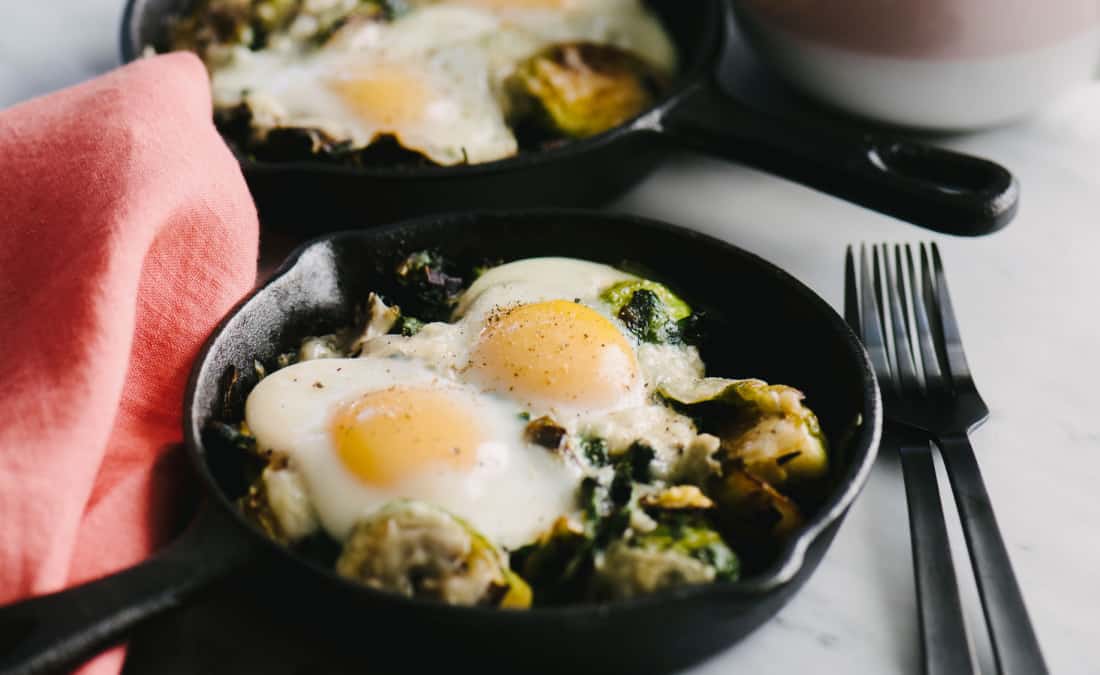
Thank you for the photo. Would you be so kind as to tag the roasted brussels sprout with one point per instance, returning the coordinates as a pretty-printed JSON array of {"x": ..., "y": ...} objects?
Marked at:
[
  {"x": 764, "y": 428},
  {"x": 753, "y": 511},
  {"x": 619, "y": 295},
  {"x": 580, "y": 89},
  {"x": 649, "y": 310},
  {"x": 416, "y": 549},
  {"x": 682, "y": 549}
]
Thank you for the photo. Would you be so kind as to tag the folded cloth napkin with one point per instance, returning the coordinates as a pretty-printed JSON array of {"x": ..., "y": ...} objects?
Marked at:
[{"x": 126, "y": 233}]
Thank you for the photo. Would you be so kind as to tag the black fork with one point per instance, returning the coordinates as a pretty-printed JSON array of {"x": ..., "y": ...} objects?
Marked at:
[
  {"x": 945, "y": 642},
  {"x": 942, "y": 400}
]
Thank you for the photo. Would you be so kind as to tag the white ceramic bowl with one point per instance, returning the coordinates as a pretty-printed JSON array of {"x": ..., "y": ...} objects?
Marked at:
[{"x": 935, "y": 64}]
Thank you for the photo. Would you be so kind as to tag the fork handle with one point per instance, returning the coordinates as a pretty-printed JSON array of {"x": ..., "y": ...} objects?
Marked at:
[
  {"x": 1015, "y": 646},
  {"x": 944, "y": 639}
]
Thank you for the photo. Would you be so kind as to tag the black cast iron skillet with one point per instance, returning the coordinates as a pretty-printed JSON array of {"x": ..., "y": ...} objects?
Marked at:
[
  {"x": 927, "y": 186},
  {"x": 762, "y": 322}
]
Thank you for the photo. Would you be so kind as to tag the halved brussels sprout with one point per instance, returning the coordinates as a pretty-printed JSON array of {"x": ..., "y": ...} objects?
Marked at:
[
  {"x": 618, "y": 295},
  {"x": 580, "y": 89},
  {"x": 681, "y": 550},
  {"x": 416, "y": 549},
  {"x": 764, "y": 428}
]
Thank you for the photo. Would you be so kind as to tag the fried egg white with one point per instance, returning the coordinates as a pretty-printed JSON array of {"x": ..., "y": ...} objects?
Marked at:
[
  {"x": 362, "y": 432},
  {"x": 422, "y": 79},
  {"x": 536, "y": 332},
  {"x": 431, "y": 78}
]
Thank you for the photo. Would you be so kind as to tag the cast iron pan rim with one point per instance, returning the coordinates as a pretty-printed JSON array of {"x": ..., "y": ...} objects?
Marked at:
[
  {"x": 864, "y": 446},
  {"x": 712, "y": 41}
]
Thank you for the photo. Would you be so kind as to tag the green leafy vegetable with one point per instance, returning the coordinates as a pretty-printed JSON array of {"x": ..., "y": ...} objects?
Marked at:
[
  {"x": 430, "y": 287},
  {"x": 594, "y": 451}
]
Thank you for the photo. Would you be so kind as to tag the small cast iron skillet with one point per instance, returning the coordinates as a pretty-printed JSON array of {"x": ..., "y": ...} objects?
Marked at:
[
  {"x": 931, "y": 187},
  {"x": 762, "y": 322}
]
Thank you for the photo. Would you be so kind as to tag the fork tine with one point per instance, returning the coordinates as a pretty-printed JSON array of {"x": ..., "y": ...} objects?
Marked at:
[
  {"x": 903, "y": 352},
  {"x": 851, "y": 293},
  {"x": 873, "y": 338},
  {"x": 933, "y": 376},
  {"x": 928, "y": 286},
  {"x": 957, "y": 367},
  {"x": 880, "y": 307}
]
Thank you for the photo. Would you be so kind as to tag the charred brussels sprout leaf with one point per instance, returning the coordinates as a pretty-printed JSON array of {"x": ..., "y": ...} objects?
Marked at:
[
  {"x": 430, "y": 287},
  {"x": 645, "y": 317},
  {"x": 753, "y": 511},
  {"x": 544, "y": 431},
  {"x": 579, "y": 89}
]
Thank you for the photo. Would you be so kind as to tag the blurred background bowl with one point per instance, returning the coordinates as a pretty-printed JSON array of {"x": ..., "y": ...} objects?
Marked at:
[{"x": 931, "y": 64}]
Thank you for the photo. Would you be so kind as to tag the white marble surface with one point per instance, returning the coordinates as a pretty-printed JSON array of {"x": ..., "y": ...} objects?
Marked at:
[{"x": 1028, "y": 302}]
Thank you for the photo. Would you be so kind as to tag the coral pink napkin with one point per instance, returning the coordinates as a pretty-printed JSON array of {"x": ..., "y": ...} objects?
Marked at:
[{"x": 126, "y": 232}]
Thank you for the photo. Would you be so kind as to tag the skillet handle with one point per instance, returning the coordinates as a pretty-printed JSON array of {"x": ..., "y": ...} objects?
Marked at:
[
  {"x": 935, "y": 188},
  {"x": 51, "y": 632}
]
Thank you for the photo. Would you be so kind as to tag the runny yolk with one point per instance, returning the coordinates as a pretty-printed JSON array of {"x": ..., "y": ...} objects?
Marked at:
[
  {"x": 392, "y": 434},
  {"x": 517, "y": 4},
  {"x": 387, "y": 97},
  {"x": 555, "y": 353}
]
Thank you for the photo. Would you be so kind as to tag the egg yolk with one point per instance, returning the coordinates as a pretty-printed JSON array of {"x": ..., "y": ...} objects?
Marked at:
[
  {"x": 555, "y": 352},
  {"x": 517, "y": 4},
  {"x": 392, "y": 434},
  {"x": 387, "y": 97}
]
